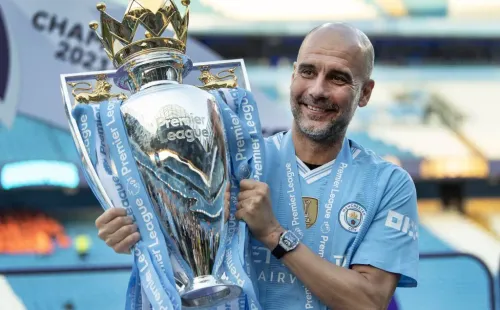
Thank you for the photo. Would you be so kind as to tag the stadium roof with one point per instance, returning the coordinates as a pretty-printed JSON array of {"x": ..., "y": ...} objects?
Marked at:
[{"x": 389, "y": 17}]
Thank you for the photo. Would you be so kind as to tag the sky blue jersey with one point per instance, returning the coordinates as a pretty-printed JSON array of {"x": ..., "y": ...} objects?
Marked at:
[{"x": 362, "y": 210}]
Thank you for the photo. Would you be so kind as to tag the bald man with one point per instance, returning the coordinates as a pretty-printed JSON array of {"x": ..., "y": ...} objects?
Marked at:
[{"x": 334, "y": 226}]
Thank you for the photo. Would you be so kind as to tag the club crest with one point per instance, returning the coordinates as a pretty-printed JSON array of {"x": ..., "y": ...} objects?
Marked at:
[
  {"x": 351, "y": 216},
  {"x": 310, "y": 210}
]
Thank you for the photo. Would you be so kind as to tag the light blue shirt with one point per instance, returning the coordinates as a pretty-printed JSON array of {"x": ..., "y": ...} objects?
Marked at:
[{"x": 374, "y": 222}]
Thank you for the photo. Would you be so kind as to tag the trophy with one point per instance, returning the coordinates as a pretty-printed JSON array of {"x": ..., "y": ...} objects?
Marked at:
[{"x": 173, "y": 134}]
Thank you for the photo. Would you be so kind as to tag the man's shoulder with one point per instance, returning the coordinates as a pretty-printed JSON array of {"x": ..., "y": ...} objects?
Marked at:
[
  {"x": 394, "y": 186},
  {"x": 362, "y": 156},
  {"x": 386, "y": 169}
]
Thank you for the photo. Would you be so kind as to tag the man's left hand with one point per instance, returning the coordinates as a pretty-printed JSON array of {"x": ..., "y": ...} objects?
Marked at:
[{"x": 254, "y": 207}]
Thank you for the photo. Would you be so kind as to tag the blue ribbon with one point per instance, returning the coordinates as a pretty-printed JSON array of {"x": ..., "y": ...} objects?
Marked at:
[
  {"x": 151, "y": 255},
  {"x": 86, "y": 122},
  {"x": 246, "y": 150}
]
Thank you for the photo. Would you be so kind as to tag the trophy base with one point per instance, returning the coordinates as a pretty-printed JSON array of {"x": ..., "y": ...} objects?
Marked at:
[{"x": 207, "y": 292}]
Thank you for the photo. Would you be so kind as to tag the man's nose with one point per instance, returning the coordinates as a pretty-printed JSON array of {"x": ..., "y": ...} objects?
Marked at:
[{"x": 318, "y": 89}]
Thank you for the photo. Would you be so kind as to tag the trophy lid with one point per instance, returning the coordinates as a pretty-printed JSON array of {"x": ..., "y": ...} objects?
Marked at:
[
  {"x": 161, "y": 57},
  {"x": 121, "y": 41}
]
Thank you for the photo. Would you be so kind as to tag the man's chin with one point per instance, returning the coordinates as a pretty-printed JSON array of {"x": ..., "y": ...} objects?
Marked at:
[
  {"x": 321, "y": 132},
  {"x": 314, "y": 126},
  {"x": 315, "y": 133}
]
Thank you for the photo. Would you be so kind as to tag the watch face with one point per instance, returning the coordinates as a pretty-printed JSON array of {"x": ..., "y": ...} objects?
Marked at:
[{"x": 289, "y": 241}]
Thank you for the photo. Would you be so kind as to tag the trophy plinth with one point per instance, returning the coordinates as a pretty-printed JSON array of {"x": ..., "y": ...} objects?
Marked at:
[{"x": 207, "y": 292}]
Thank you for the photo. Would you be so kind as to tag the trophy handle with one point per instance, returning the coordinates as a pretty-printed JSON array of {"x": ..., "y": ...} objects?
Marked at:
[
  {"x": 215, "y": 81},
  {"x": 88, "y": 169}
]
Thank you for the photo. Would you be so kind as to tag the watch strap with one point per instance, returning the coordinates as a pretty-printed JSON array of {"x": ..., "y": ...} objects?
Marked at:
[{"x": 279, "y": 251}]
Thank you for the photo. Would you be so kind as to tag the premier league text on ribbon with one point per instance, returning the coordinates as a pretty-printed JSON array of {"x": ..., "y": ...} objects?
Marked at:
[
  {"x": 133, "y": 190},
  {"x": 100, "y": 131},
  {"x": 293, "y": 200},
  {"x": 85, "y": 131},
  {"x": 251, "y": 128},
  {"x": 328, "y": 208}
]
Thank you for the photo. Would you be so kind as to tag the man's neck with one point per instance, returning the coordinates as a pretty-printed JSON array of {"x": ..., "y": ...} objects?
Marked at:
[{"x": 313, "y": 152}]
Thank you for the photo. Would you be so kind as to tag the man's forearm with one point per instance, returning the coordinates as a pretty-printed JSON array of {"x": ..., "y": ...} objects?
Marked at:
[{"x": 335, "y": 286}]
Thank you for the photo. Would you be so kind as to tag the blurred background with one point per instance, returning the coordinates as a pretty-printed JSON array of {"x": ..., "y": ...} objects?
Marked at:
[{"x": 434, "y": 111}]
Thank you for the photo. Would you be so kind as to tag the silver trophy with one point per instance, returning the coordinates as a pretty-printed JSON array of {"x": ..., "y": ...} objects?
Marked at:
[{"x": 175, "y": 130}]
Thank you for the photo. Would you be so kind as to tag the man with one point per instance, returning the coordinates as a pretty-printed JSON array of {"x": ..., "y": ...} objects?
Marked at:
[{"x": 350, "y": 237}]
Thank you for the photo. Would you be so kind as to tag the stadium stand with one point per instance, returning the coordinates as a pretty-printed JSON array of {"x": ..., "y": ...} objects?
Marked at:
[
  {"x": 29, "y": 139},
  {"x": 383, "y": 147}
]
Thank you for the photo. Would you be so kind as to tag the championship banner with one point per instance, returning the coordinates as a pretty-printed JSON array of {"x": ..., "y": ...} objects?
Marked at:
[{"x": 55, "y": 39}]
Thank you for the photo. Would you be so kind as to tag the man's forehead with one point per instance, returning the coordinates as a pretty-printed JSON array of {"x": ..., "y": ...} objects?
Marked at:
[
  {"x": 330, "y": 42},
  {"x": 331, "y": 60},
  {"x": 327, "y": 64},
  {"x": 336, "y": 46}
]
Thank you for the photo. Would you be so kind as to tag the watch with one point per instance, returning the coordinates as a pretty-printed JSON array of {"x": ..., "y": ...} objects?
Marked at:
[{"x": 288, "y": 242}]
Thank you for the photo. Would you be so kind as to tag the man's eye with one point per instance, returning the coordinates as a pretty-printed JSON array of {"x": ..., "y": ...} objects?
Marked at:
[
  {"x": 339, "y": 79},
  {"x": 307, "y": 73}
]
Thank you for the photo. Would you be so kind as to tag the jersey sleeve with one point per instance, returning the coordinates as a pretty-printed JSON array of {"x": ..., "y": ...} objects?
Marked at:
[{"x": 391, "y": 241}]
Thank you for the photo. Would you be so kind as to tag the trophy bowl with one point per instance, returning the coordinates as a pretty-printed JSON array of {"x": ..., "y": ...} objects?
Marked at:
[{"x": 179, "y": 145}]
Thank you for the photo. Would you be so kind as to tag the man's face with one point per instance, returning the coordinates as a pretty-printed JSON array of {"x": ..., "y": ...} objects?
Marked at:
[{"x": 327, "y": 85}]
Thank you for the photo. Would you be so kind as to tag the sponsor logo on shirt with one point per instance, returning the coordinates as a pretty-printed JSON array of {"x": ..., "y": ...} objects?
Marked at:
[
  {"x": 279, "y": 274},
  {"x": 402, "y": 223}
]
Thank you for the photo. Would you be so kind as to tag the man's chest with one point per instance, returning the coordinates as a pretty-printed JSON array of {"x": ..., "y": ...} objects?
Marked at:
[
  {"x": 329, "y": 232},
  {"x": 322, "y": 206}
]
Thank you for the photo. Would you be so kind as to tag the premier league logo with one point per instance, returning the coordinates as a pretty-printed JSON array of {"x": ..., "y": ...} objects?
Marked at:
[
  {"x": 351, "y": 216},
  {"x": 4, "y": 58}
]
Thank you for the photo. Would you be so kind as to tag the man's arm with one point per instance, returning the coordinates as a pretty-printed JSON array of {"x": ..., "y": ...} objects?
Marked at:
[{"x": 364, "y": 287}]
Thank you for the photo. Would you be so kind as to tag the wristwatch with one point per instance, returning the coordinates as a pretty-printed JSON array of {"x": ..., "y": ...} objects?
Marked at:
[{"x": 288, "y": 242}]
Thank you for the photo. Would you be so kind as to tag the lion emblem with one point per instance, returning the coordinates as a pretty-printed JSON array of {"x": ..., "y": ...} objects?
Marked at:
[
  {"x": 211, "y": 81},
  {"x": 100, "y": 93}
]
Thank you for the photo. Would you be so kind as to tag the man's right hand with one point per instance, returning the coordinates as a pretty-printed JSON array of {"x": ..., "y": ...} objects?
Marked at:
[
  {"x": 117, "y": 229},
  {"x": 119, "y": 232}
]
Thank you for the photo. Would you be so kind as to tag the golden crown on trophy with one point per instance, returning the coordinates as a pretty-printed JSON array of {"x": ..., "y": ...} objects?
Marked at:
[{"x": 119, "y": 38}]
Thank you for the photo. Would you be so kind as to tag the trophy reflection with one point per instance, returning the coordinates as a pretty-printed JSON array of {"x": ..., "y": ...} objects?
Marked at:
[{"x": 177, "y": 138}]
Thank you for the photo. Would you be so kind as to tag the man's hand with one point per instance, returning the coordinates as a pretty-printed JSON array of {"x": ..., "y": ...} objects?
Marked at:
[
  {"x": 119, "y": 232},
  {"x": 254, "y": 207},
  {"x": 117, "y": 229}
]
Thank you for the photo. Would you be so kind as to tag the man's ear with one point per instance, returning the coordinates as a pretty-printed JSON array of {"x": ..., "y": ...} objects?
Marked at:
[
  {"x": 366, "y": 93},
  {"x": 294, "y": 69}
]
